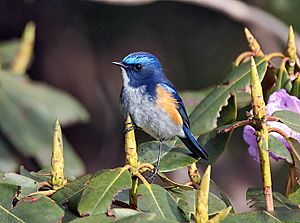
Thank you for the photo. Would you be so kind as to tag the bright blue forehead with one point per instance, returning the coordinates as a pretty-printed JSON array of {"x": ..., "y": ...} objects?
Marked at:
[{"x": 141, "y": 58}]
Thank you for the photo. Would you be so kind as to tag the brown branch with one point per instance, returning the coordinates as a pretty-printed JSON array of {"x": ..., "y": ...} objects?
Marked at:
[
  {"x": 279, "y": 131},
  {"x": 234, "y": 126}
]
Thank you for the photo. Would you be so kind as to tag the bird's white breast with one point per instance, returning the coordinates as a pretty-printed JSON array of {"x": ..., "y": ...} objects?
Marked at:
[{"x": 145, "y": 112}]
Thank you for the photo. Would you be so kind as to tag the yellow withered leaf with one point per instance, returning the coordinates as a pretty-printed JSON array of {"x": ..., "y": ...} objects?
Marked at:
[
  {"x": 220, "y": 216},
  {"x": 194, "y": 174},
  {"x": 291, "y": 50},
  {"x": 262, "y": 134},
  {"x": 130, "y": 143},
  {"x": 201, "y": 212},
  {"x": 258, "y": 104},
  {"x": 57, "y": 179},
  {"x": 252, "y": 42},
  {"x": 22, "y": 60}
]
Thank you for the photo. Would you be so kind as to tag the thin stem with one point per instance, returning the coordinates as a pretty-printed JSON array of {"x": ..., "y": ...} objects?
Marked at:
[
  {"x": 131, "y": 159},
  {"x": 242, "y": 56},
  {"x": 133, "y": 190},
  {"x": 272, "y": 118},
  {"x": 262, "y": 135},
  {"x": 266, "y": 178},
  {"x": 273, "y": 55},
  {"x": 234, "y": 126},
  {"x": 144, "y": 181},
  {"x": 279, "y": 131}
]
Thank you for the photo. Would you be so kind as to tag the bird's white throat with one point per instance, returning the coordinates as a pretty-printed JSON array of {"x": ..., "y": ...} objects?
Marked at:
[{"x": 125, "y": 77}]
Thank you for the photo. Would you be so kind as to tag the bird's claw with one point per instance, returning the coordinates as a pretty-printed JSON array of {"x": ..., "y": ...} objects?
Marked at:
[
  {"x": 132, "y": 127},
  {"x": 151, "y": 178}
]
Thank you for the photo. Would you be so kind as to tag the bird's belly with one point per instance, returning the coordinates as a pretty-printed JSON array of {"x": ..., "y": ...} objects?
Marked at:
[{"x": 153, "y": 120}]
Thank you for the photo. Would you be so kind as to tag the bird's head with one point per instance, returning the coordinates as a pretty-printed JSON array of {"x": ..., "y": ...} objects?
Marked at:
[{"x": 141, "y": 68}]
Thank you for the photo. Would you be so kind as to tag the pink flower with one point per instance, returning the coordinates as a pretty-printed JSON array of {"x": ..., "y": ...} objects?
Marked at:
[{"x": 279, "y": 100}]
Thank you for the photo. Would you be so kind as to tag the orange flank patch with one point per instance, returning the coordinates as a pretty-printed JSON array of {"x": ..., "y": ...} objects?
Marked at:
[{"x": 169, "y": 104}]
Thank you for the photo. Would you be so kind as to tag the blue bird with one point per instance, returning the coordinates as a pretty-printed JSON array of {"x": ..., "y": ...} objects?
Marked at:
[{"x": 154, "y": 104}]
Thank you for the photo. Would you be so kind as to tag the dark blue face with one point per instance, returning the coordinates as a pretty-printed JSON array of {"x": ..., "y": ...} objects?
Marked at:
[{"x": 143, "y": 68}]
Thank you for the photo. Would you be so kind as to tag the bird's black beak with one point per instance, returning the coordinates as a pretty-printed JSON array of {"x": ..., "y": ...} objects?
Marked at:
[{"x": 120, "y": 64}]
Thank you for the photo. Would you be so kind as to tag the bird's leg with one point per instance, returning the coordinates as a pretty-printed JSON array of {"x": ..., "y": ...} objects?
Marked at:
[
  {"x": 152, "y": 177},
  {"x": 131, "y": 127}
]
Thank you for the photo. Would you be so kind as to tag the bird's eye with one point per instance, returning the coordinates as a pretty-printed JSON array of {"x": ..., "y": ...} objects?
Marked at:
[{"x": 138, "y": 67}]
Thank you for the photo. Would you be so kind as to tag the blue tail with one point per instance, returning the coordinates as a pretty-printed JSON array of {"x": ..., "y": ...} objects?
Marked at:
[{"x": 193, "y": 145}]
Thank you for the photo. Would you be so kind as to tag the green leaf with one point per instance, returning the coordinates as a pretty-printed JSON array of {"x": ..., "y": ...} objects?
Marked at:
[
  {"x": 8, "y": 192},
  {"x": 171, "y": 183},
  {"x": 8, "y": 162},
  {"x": 256, "y": 199},
  {"x": 145, "y": 218},
  {"x": 288, "y": 216},
  {"x": 8, "y": 52},
  {"x": 279, "y": 149},
  {"x": 243, "y": 99},
  {"x": 192, "y": 98},
  {"x": 171, "y": 159},
  {"x": 27, "y": 185},
  {"x": 215, "y": 143},
  {"x": 32, "y": 209},
  {"x": 35, "y": 106},
  {"x": 94, "y": 219},
  {"x": 39, "y": 177},
  {"x": 156, "y": 199},
  {"x": 175, "y": 159},
  {"x": 222, "y": 194},
  {"x": 124, "y": 212},
  {"x": 295, "y": 146},
  {"x": 289, "y": 118},
  {"x": 70, "y": 194},
  {"x": 283, "y": 81},
  {"x": 295, "y": 196},
  {"x": 148, "y": 151},
  {"x": 123, "y": 196},
  {"x": 251, "y": 217},
  {"x": 296, "y": 88},
  {"x": 101, "y": 188},
  {"x": 69, "y": 216},
  {"x": 186, "y": 201},
  {"x": 204, "y": 117}
]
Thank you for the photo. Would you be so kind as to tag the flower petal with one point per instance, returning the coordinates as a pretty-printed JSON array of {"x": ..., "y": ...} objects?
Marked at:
[
  {"x": 250, "y": 139},
  {"x": 281, "y": 100}
]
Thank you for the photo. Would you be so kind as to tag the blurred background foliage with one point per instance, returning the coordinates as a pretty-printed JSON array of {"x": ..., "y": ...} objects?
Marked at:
[
  {"x": 28, "y": 109},
  {"x": 76, "y": 41}
]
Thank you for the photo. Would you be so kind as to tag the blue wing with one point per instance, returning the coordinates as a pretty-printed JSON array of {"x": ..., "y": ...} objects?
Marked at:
[{"x": 190, "y": 142}]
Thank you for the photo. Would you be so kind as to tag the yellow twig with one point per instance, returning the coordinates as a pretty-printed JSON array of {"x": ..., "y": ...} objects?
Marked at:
[
  {"x": 130, "y": 144},
  {"x": 243, "y": 56},
  {"x": 220, "y": 216},
  {"x": 262, "y": 135},
  {"x": 131, "y": 158},
  {"x": 273, "y": 55},
  {"x": 253, "y": 44},
  {"x": 291, "y": 51},
  {"x": 22, "y": 60},
  {"x": 201, "y": 212},
  {"x": 194, "y": 174},
  {"x": 57, "y": 179}
]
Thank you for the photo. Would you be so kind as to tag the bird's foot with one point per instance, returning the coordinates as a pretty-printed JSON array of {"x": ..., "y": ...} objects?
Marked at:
[
  {"x": 130, "y": 128},
  {"x": 151, "y": 178}
]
